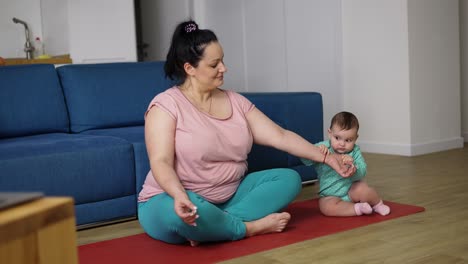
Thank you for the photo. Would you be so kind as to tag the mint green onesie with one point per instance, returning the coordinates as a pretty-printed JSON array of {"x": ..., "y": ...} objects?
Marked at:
[{"x": 331, "y": 183}]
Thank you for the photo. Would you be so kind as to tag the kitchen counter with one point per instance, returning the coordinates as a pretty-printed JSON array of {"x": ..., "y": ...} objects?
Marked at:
[{"x": 62, "y": 59}]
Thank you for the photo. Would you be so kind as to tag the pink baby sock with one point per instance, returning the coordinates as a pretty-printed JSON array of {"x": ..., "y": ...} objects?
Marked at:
[
  {"x": 381, "y": 208},
  {"x": 362, "y": 208}
]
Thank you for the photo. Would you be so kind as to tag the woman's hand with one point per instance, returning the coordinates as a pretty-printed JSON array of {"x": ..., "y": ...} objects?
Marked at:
[
  {"x": 336, "y": 162},
  {"x": 186, "y": 210}
]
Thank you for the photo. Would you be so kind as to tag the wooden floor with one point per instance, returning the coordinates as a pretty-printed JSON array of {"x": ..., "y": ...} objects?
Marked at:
[{"x": 438, "y": 182}]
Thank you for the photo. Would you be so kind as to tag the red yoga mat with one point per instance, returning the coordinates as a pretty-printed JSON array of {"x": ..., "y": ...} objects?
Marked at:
[{"x": 306, "y": 223}]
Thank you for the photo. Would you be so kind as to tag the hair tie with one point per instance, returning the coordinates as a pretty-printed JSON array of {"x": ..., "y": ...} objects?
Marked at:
[{"x": 190, "y": 27}]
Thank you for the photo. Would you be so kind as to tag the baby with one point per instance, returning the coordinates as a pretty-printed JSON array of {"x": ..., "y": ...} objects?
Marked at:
[{"x": 349, "y": 196}]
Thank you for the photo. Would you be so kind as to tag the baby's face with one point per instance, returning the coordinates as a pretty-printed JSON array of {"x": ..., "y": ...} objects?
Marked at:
[{"x": 342, "y": 141}]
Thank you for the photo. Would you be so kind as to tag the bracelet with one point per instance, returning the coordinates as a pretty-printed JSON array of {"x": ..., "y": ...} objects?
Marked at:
[{"x": 325, "y": 157}]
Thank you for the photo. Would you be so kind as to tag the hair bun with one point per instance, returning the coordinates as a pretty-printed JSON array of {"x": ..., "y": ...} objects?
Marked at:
[{"x": 190, "y": 27}]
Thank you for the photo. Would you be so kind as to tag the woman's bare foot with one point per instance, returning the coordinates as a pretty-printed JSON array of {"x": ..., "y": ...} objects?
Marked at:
[
  {"x": 193, "y": 243},
  {"x": 269, "y": 224}
]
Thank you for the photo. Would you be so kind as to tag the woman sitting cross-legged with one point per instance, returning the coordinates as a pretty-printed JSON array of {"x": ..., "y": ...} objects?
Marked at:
[{"x": 198, "y": 137}]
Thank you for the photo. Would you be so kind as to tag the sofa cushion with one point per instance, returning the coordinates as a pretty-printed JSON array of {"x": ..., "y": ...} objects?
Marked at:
[
  {"x": 88, "y": 168},
  {"x": 110, "y": 94},
  {"x": 31, "y": 101},
  {"x": 106, "y": 210},
  {"x": 136, "y": 136}
]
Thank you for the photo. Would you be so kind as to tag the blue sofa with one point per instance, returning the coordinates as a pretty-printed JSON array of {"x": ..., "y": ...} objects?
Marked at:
[{"x": 77, "y": 130}]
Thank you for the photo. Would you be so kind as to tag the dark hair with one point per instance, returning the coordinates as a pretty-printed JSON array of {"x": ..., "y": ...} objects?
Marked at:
[
  {"x": 345, "y": 120},
  {"x": 188, "y": 45}
]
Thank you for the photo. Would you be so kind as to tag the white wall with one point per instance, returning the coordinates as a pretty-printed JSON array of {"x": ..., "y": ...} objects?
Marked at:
[
  {"x": 375, "y": 72},
  {"x": 265, "y": 45},
  {"x": 314, "y": 54},
  {"x": 401, "y": 74},
  {"x": 102, "y": 31},
  {"x": 55, "y": 27},
  {"x": 434, "y": 50},
  {"x": 464, "y": 63}
]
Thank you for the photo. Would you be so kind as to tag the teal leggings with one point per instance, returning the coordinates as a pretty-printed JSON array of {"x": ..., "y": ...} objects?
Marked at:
[{"x": 259, "y": 194}]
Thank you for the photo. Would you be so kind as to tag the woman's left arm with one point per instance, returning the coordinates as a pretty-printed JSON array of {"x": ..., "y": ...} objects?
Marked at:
[{"x": 268, "y": 133}]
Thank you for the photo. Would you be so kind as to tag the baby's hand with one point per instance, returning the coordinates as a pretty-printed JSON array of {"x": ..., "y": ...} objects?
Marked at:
[
  {"x": 324, "y": 150},
  {"x": 347, "y": 160}
]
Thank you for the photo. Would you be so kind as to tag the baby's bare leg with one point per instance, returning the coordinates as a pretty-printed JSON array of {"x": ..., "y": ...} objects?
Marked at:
[
  {"x": 334, "y": 206},
  {"x": 271, "y": 223},
  {"x": 361, "y": 192}
]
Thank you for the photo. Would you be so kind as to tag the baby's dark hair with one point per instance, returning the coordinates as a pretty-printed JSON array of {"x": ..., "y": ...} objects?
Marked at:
[
  {"x": 345, "y": 120},
  {"x": 188, "y": 45}
]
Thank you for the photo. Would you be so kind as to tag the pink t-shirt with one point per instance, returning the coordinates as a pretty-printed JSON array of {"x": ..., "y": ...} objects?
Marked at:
[{"x": 210, "y": 153}]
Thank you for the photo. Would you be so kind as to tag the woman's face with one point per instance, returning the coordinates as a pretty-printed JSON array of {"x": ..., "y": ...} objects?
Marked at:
[{"x": 210, "y": 70}]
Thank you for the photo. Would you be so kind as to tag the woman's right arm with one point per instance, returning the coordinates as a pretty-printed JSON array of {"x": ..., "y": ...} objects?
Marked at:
[
  {"x": 268, "y": 133},
  {"x": 160, "y": 144}
]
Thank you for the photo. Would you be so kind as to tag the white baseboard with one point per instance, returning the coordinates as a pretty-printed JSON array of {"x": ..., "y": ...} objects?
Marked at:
[{"x": 411, "y": 149}]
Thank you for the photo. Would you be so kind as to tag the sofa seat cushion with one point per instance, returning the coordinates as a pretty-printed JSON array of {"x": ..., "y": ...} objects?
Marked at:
[
  {"x": 106, "y": 210},
  {"x": 88, "y": 168},
  {"x": 31, "y": 101},
  {"x": 136, "y": 136},
  {"x": 110, "y": 94}
]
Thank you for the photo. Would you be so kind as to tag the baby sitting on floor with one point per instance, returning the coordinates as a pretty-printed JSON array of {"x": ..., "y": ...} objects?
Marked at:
[{"x": 350, "y": 196}]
